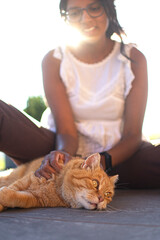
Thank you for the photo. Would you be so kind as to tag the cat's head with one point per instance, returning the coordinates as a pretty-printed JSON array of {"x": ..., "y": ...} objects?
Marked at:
[{"x": 86, "y": 185}]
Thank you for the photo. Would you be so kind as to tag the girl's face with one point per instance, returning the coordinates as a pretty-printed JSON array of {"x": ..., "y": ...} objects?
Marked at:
[{"x": 89, "y": 17}]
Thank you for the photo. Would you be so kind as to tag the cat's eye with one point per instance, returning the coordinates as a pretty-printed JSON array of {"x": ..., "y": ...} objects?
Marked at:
[
  {"x": 95, "y": 183},
  {"x": 108, "y": 194}
]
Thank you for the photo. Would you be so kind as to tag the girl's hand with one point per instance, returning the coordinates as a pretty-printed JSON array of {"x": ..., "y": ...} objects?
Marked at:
[{"x": 52, "y": 164}]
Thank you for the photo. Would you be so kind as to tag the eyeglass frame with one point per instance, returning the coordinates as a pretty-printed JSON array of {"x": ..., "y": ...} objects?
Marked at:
[{"x": 84, "y": 9}]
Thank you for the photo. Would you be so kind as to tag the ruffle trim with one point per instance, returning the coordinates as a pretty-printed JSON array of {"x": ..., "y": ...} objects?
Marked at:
[{"x": 58, "y": 53}]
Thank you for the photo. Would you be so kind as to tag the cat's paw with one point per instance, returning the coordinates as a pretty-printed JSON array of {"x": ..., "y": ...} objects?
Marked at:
[{"x": 3, "y": 195}]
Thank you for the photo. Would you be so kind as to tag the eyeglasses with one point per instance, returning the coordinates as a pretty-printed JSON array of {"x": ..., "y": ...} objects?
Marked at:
[{"x": 94, "y": 10}]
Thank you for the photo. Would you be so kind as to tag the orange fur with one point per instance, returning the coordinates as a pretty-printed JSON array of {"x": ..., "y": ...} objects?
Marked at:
[{"x": 74, "y": 187}]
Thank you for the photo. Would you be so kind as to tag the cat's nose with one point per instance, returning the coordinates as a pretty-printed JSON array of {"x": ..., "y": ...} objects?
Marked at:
[{"x": 101, "y": 199}]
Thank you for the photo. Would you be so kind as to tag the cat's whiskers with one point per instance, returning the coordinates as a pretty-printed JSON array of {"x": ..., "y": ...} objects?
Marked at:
[{"x": 112, "y": 208}]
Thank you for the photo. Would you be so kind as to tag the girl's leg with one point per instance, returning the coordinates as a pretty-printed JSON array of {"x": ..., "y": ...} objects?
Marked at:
[
  {"x": 142, "y": 170},
  {"x": 20, "y": 138}
]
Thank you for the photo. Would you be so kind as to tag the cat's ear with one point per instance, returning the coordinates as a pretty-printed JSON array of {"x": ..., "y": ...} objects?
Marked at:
[
  {"x": 114, "y": 179},
  {"x": 92, "y": 162}
]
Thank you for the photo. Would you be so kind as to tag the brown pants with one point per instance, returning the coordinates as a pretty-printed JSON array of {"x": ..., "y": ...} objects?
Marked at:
[{"x": 21, "y": 139}]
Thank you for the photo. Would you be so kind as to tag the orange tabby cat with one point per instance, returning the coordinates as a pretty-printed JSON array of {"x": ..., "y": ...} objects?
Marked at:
[{"x": 81, "y": 183}]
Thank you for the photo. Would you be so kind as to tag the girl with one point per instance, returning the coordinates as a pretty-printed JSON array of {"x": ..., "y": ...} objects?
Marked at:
[{"x": 97, "y": 95}]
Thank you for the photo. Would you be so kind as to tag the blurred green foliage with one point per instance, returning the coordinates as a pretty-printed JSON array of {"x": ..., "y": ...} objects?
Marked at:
[
  {"x": 35, "y": 107},
  {"x": 2, "y": 162}
]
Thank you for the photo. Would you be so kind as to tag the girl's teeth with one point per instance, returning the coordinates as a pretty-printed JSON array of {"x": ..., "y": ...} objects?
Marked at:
[{"x": 88, "y": 29}]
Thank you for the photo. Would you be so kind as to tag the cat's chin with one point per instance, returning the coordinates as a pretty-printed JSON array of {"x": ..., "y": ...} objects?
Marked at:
[
  {"x": 99, "y": 206},
  {"x": 84, "y": 203},
  {"x": 94, "y": 206}
]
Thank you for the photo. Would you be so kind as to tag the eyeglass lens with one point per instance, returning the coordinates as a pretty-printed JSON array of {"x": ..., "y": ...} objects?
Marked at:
[{"x": 94, "y": 10}]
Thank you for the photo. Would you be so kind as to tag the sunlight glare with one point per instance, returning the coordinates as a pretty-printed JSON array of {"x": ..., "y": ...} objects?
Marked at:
[{"x": 69, "y": 36}]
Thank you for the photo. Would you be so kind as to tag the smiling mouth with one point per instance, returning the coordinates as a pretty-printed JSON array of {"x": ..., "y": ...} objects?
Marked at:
[{"x": 89, "y": 29}]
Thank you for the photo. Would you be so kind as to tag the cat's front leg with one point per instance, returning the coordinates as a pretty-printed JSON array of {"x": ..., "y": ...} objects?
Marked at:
[
  {"x": 1, "y": 207},
  {"x": 23, "y": 199},
  {"x": 4, "y": 197}
]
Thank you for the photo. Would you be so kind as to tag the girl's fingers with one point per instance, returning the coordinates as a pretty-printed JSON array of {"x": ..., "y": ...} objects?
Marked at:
[{"x": 52, "y": 164}]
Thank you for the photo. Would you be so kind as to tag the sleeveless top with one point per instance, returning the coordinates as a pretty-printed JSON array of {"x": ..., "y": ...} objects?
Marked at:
[{"x": 97, "y": 94}]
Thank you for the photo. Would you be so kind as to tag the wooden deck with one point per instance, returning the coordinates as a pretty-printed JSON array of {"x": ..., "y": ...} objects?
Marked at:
[{"x": 133, "y": 214}]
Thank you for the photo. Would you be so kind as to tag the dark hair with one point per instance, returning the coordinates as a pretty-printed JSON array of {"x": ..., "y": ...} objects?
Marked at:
[{"x": 114, "y": 26}]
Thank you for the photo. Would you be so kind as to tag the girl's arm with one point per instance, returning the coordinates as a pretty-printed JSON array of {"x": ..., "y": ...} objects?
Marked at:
[
  {"x": 66, "y": 142},
  {"x": 134, "y": 112},
  {"x": 66, "y": 133}
]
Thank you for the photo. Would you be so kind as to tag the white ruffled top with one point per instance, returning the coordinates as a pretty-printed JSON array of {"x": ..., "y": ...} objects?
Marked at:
[{"x": 97, "y": 94}]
